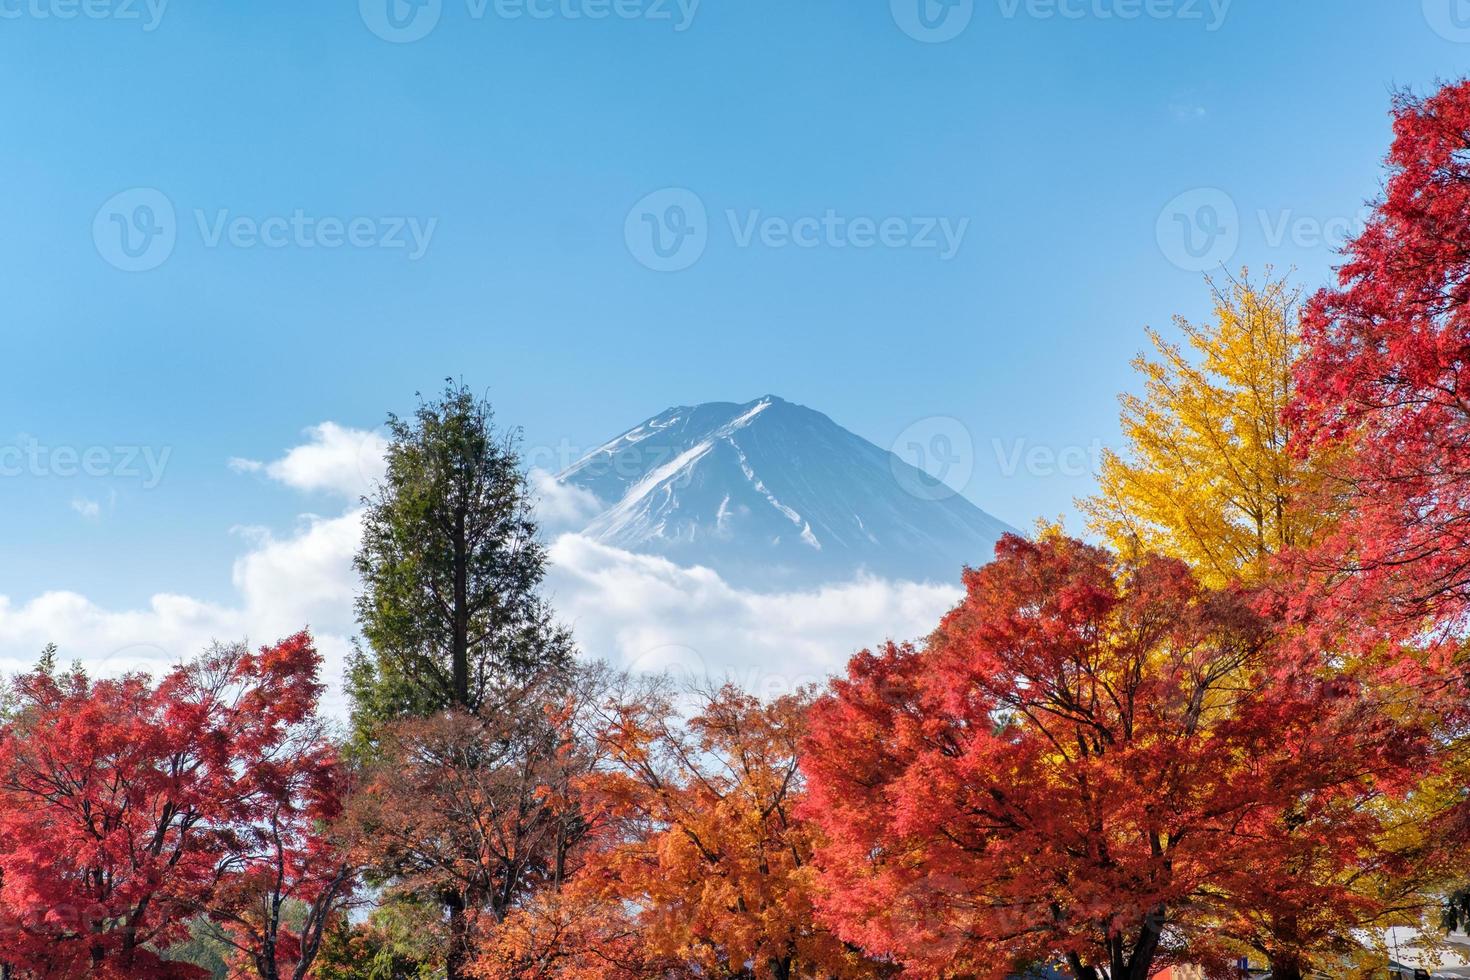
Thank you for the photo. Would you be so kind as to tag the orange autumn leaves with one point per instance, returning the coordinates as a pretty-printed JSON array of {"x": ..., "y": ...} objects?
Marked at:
[{"x": 700, "y": 859}]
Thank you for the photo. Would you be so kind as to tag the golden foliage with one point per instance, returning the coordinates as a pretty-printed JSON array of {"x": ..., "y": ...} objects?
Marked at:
[{"x": 1207, "y": 476}]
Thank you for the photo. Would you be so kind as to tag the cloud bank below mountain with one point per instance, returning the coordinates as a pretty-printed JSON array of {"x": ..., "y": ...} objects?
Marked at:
[{"x": 635, "y": 611}]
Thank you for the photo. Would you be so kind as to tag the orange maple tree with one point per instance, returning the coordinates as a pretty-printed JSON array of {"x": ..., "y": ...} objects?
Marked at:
[
  {"x": 701, "y": 866},
  {"x": 571, "y": 934}
]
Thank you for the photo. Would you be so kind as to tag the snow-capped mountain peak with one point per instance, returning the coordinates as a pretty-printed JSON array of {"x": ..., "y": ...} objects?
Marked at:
[{"x": 772, "y": 493}]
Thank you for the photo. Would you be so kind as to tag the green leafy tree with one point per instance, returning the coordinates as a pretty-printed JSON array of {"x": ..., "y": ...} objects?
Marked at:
[
  {"x": 1456, "y": 912},
  {"x": 47, "y": 663},
  {"x": 399, "y": 941},
  {"x": 203, "y": 949},
  {"x": 450, "y": 564}
]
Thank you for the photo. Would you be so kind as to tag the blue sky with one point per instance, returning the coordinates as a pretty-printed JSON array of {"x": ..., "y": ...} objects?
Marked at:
[{"x": 1053, "y": 134}]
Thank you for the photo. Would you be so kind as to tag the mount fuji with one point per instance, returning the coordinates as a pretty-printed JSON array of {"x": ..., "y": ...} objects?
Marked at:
[{"x": 774, "y": 495}]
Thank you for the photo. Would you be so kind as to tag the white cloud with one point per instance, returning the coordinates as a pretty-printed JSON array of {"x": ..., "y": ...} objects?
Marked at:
[
  {"x": 339, "y": 460},
  {"x": 304, "y": 578},
  {"x": 647, "y": 613},
  {"x": 561, "y": 506},
  {"x": 636, "y": 611},
  {"x": 90, "y": 509},
  {"x": 169, "y": 629},
  {"x": 282, "y": 584}
]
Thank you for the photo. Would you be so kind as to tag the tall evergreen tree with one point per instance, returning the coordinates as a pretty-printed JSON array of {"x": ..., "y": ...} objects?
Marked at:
[{"x": 450, "y": 565}]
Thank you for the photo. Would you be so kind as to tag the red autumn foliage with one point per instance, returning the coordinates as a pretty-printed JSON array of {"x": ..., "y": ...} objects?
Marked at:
[
  {"x": 1346, "y": 839},
  {"x": 128, "y": 807},
  {"x": 1386, "y": 371},
  {"x": 1091, "y": 763}
]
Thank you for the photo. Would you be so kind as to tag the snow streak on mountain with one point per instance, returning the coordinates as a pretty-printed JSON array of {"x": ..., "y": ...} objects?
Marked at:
[{"x": 775, "y": 495}]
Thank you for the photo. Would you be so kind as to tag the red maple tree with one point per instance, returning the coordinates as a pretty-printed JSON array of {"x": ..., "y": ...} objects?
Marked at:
[
  {"x": 128, "y": 807},
  {"x": 1386, "y": 373},
  {"x": 1090, "y": 763},
  {"x": 1384, "y": 383}
]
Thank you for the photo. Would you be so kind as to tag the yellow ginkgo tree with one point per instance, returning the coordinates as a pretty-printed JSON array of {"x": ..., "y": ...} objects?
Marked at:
[{"x": 1207, "y": 475}]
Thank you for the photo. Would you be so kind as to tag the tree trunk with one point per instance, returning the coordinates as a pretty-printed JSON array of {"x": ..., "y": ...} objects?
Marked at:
[
  {"x": 458, "y": 954},
  {"x": 460, "y": 639},
  {"x": 1080, "y": 970},
  {"x": 1286, "y": 958},
  {"x": 1286, "y": 966},
  {"x": 1146, "y": 947}
]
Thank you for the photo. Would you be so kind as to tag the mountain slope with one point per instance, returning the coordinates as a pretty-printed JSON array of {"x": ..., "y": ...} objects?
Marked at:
[{"x": 773, "y": 494}]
